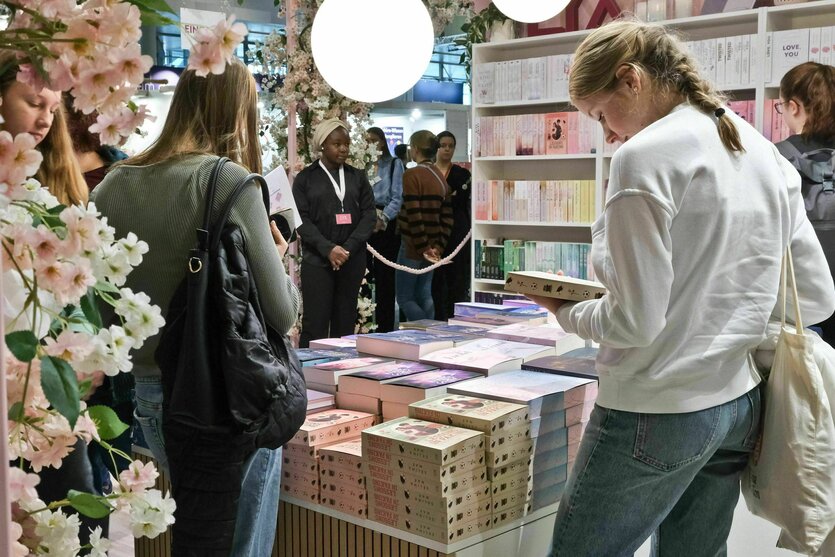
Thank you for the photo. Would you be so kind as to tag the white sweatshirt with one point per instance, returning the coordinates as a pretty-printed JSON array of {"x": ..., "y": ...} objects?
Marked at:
[{"x": 689, "y": 247}]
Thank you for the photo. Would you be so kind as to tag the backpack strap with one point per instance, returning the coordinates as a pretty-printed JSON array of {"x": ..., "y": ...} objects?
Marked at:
[
  {"x": 217, "y": 226},
  {"x": 392, "y": 167},
  {"x": 203, "y": 233}
]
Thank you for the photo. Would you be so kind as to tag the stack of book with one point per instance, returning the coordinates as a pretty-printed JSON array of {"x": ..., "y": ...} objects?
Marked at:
[
  {"x": 300, "y": 458},
  {"x": 318, "y": 401},
  {"x": 396, "y": 395},
  {"x": 311, "y": 357},
  {"x": 360, "y": 390},
  {"x": 325, "y": 376},
  {"x": 546, "y": 334},
  {"x": 508, "y": 445},
  {"x": 559, "y": 408},
  {"x": 579, "y": 362},
  {"x": 488, "y": 356},
  {"x": 427, "y": 478},
  {"x": 421, "y": 324},
  {"x": 474, "y": 314},
  {"x": 331, "y": 343},
  {"x": 342, "y": 481},
  {"x": 407, "y": 344}
]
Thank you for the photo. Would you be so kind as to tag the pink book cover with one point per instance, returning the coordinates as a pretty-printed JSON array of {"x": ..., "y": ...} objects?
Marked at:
[
  {"x": 573, "y": 134},
  {"x": 472, "y": 495},
  {"x": 488, "y": 416},
  {"x": 514, "y": 468},
  {"x": 342, "y": 475},
  {"x": 508, "y": 515},
  {"x": 367, "y": 382},
  {"x": 342, "y": 455},
  {"x": 333, "y": 343},
  {"x": 434, "y": 443},
  {"x": 418, "y": 386},
  {"x": 300, "y": 452},
  {"x": 508, "y": 437},
  {"x": 296, "y": 478},
  {"x": 353, "y": 508},
  {"x": 447, "y": 517},
  {"x": 507, "y": 454},
  {"x": 390, "y": 467},
  {"x": 556, "y": 132},
  {"x": 301, "y": 465},
  {"x": 343, "y": 491},
  {"x": 512, "y": 499},
  {"x": 511, "y": 483},
  {"x": 332, "y": 426},
  {"x": 441, "y": 486},
  {"x": 297, "y": 492}
]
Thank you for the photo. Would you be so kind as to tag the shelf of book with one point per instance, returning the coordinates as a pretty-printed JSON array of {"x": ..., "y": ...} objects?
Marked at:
[
  {"x": 490, "y": 281},
  {"x": 745, "y": 53},
  {"x": 479, "y": 543}
]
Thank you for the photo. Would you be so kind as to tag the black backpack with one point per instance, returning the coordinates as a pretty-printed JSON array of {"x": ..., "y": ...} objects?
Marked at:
[{"x": 223, "y": 368}]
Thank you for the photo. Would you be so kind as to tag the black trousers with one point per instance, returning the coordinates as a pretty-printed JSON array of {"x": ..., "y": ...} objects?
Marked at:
[
  {"x": 330, "y": 299},
  {"x": 451, "y": 282},
  {"x": 387, "y": 243}
]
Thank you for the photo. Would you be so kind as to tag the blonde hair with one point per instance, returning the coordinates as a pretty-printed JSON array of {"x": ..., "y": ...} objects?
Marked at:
[
  {"x": 651, "y": 50},
  {"x": 216, "y": 114},
  {"x": 426, "y": 143},
  {"x": 59, "y": 172}
]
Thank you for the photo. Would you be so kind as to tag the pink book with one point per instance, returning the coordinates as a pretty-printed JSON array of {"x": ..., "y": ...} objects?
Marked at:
[
  {"x": 333, "y": 343},
  {"x": 556, "y": 131},
  {"x": 328, "y": 373},
  {"x": 342, "y": 455},
  {"x": 332, "y": 426},
  {"x": 491, "y": 417},
  {"x": 434, "y": 443}
]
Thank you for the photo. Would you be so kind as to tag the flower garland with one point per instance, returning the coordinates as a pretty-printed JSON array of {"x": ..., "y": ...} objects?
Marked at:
[{"x": 62, "y": 265}]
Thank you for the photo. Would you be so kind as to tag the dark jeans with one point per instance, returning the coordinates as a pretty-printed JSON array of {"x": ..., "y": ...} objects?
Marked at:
[
  {"x": 387, "y": 243},
  {"x": 451, "y": 283},
  {"x": 330, "y": 299}
]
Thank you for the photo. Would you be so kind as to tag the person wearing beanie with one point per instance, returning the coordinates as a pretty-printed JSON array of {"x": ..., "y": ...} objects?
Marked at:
[{"x": 338, "y": 215}]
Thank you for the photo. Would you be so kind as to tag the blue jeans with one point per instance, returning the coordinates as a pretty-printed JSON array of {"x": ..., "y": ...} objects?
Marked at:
[
  {"x": 414, "y": 292},
  {"x": 257, "y": 515},
  {"x": 674, "y": 477}
]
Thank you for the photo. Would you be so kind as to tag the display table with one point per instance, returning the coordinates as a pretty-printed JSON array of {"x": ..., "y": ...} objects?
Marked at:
[{"x": 311, "y": 530}]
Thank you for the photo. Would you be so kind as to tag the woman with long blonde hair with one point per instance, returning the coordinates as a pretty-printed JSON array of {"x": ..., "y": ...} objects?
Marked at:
[
  {"x": 698, "y": 213},
  {"x": 229, "y": 507},
  {"x": 41, "y": 114}
]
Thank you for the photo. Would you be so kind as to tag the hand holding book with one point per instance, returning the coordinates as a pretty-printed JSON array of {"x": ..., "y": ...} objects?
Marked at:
[{"x": 550, "y": 290}]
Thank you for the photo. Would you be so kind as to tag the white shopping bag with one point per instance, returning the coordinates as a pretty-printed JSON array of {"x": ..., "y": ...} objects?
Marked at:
[{"x": 790, "y": 479}]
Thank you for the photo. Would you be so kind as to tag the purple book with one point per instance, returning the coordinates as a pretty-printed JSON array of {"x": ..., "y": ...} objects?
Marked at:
[
  {"x": 367, "y": 382},
  {"x": 423, "y": 385}
]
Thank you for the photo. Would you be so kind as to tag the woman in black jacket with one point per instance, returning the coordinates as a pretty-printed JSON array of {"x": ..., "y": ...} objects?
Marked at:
[{"x": 336, "y": 204}]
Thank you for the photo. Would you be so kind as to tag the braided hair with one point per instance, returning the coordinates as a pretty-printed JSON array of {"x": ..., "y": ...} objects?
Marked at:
[{"x": 656, "y": 52}]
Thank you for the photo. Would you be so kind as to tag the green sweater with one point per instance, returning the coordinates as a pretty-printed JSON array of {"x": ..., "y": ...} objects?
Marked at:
[{"x": 163, "y": 205}]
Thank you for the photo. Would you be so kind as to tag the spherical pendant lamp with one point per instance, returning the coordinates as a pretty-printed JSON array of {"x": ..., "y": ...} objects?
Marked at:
[
  {"x": 531, "y": 11},
  {"x": 354, "y": 51}
]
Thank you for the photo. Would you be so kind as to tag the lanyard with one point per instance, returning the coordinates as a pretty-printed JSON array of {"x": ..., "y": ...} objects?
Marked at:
[{"x": 340, "y": 187}]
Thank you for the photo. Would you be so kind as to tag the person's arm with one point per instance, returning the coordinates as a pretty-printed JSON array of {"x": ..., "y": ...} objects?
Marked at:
[
  {"x": 632, "y": 313},
  {"x": 814, "y": 282},
  {"x": 308, "y": 229},
  {"x": 277, "y": 294},
  {"x": 393, "y": 208},
  {"x": 412, "y": 211},
  {"x": 368, "y": 216}
]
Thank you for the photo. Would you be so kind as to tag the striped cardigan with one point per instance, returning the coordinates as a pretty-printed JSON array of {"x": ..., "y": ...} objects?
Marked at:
[{"x": 425, "y": 218}]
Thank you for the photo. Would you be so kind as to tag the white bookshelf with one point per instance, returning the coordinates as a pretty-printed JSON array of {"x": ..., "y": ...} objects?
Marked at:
[{"x": 757, "y": 22}]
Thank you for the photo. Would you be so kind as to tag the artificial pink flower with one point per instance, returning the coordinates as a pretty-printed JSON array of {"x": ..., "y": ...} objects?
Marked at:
[
  {"x": 63, "y": 71},
  {"x": 51, "y": 273},
  {"x": 109, "y": 128},
  {"x": 44, "y": 242},
  {"x": 22, "y": 485},
  {"x": 69, "y": 346},
  {"x": 230, "y": 35},
  {"x": 130, "y": 63},
  {"x": 96, "y": 78},
  {"x": 138, "y": 476},
  {"x": 57, "y": 9},
  {"x": 84, "y": 35},
  {"x": 24, "y": 160},
  {"x": 29, "y": 75},
  {"x": 120, "y": 24},
  {"x": 207, "y": 57},
  {"x": 85, "y": 428},
  {"x": 76, "y": 280},
  {"x": 15, "y": 533}
]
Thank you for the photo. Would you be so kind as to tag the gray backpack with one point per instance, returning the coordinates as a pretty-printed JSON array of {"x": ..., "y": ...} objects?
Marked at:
[{"x": 816, "y": 166}]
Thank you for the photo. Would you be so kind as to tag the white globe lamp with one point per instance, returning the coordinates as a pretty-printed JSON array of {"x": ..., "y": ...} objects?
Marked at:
[
  {"x": 353, "y": 52},
  {"x": 531, "y": 11}
]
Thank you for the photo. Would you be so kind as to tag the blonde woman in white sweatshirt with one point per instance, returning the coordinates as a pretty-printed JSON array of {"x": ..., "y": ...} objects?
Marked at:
[{"x": 699, "y": 210}]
